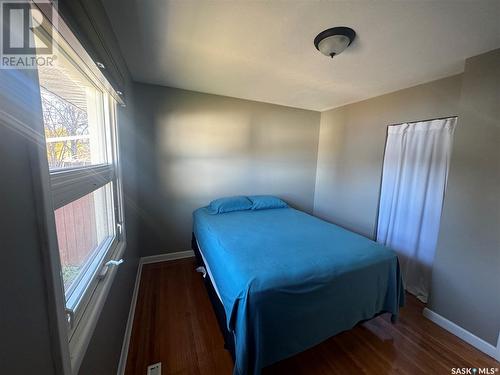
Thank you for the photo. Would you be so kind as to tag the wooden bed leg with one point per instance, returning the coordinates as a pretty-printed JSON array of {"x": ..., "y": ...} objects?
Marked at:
[{"x": 394, "y": 318}]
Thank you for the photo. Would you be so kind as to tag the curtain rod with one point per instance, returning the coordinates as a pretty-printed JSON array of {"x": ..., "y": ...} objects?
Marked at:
[{"x": 430, "y": 119}]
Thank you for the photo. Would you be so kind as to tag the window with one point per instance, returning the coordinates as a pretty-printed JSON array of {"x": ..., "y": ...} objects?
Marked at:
[
  {"x": 74, "y": 117},
  {"x": 84, "y": 229},
  {"x": 79, "y": 117}
]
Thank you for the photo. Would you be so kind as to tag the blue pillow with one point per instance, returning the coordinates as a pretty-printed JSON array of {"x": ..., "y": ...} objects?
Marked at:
[
  {"x": 263, "y": 202},
  {"x": 229, "y": 204}
]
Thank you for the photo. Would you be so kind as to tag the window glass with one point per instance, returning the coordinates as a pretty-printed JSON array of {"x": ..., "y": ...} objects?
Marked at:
[
  {"x": 73, "y": 115},
  {"x": 84, "y": 227}
]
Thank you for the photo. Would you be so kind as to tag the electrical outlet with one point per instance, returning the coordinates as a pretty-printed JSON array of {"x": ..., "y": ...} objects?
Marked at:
[{"x": 154, "y": 369}]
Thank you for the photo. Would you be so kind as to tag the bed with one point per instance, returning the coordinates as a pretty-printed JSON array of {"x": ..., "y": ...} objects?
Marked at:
[{"x": 282, "y": 281}]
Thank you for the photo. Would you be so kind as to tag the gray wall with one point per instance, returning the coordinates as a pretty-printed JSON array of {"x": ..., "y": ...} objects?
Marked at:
[
  {"x": 466, "y": 272},
  {"x": 466, "y": 277},
  {"x": 351, "y": 149},
  {"x": 196, "y": 147},
  {"x": 25, "y": 329}
]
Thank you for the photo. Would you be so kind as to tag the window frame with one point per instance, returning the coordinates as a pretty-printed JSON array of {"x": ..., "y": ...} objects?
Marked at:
[
  {"x": 61, "y": 186},
  {"x": 68, "y": 185}
]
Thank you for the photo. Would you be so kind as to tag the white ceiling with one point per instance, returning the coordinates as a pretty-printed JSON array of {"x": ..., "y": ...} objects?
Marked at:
[{"x": 263, "y": 50}]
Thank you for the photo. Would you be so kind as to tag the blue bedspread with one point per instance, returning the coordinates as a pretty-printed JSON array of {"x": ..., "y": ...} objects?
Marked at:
[{"x": 289, "y": 280}]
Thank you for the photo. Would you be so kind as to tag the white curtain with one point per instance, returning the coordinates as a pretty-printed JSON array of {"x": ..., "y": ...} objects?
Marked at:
[{"x": 416, "y": 163}]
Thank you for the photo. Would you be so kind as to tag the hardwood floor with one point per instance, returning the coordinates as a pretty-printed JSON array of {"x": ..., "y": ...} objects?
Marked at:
[{"x": 174, "y": 324}]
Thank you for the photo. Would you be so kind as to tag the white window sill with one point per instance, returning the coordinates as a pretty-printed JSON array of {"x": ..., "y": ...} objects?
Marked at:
[{"x": 83, "y": 332}]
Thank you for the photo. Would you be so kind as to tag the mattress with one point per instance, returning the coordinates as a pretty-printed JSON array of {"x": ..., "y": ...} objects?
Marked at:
[{"x": 289, "y": 280}]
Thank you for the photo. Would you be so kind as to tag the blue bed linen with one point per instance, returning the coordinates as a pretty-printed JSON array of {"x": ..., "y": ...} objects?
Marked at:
[
  {"x": 265, "y": 202},
  {"x": 229, "y": 204},
  {"x": 289, "y": 280}
]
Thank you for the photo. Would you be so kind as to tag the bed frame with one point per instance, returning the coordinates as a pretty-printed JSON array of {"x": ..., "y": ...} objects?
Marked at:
[{"x": 216, "y": 303}]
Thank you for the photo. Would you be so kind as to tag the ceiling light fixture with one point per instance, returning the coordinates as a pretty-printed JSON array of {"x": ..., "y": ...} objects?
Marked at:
[{"x": 333, "y": 41}]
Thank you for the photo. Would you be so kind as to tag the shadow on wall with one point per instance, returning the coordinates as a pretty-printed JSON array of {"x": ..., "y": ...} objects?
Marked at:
[{"x": 201, "y": 147}]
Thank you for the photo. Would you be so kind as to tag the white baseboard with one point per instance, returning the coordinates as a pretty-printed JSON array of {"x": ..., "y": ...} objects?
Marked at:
[
  {"x": 498, "y": 348},
  {"x": 465, "y": 335},
  {"x": 167, "y": 256},
  {"x": 130, "y": 320}
]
